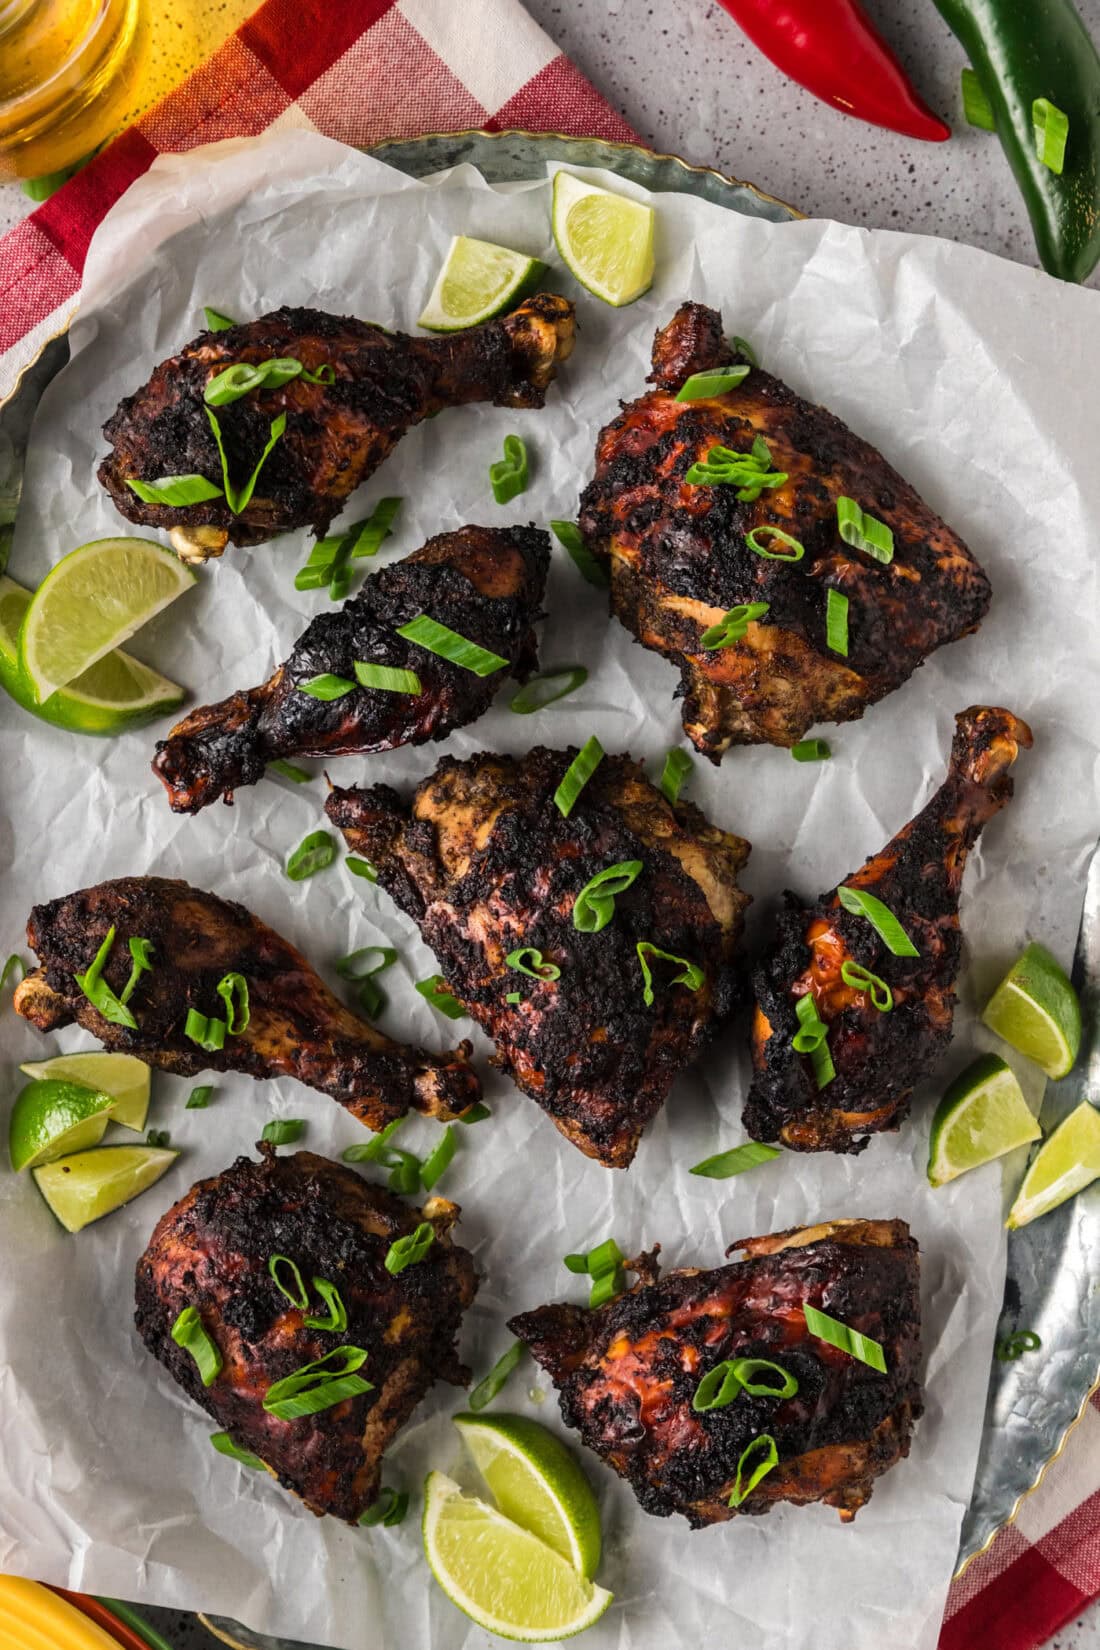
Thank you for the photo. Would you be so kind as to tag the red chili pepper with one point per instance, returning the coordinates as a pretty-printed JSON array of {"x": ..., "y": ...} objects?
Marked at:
[{"x": 829, "y": 47}]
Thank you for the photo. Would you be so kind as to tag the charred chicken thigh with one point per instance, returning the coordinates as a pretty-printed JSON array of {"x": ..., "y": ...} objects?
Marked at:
[
  {"x": 487, "y": 584},
  {"x": 219, "y": 1252},
  {"x": 886, "y": 1018},
  {"x": 596, "y": 1001},
  {"x": 337, "y": 432},
  {"x": 628, "y": 1372},
  {"x": 288, "y": 1023},
  {"x": 680, "y": 559}
]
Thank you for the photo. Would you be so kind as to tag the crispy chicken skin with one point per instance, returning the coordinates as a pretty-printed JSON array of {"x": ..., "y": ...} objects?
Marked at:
[
  {"x": 485, "y": 583},
  {"x": 211, "y": 1251},
  {"x": 678, "y": 557},
  {"x": 879, "y": 1057},
  {"x": 627, "y": 1372},
  {"x": 337, "y": 434},
  {"x": 297, "y": 1028},
  {"x": 484, "y": 863}
]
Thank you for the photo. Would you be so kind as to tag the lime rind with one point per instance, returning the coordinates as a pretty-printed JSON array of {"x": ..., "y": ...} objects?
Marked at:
[
  {"x": 605, "y": 240},
  {"x": 52, "y": 1117},
  {"x": 1066, "y": 1162},
  {"x": 537, "y": 1483},
  {"x": 88, "y": 1185},
  {"x": 982, "y": 1116},
  {"x": 125, "y": 1078},
  {"x": 477, "y": 281},
  {"x": 1035, "y": 1009}
]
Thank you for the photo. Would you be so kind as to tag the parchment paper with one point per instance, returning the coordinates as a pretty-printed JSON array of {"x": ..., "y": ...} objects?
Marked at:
[{"x": 977, "y": 379}]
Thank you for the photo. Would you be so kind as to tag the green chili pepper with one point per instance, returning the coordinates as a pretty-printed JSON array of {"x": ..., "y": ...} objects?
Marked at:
[{"x": 1020, "y": 54}]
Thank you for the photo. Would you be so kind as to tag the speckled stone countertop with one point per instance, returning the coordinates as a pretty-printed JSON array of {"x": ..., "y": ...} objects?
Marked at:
[{"x": 691, "y": 85}]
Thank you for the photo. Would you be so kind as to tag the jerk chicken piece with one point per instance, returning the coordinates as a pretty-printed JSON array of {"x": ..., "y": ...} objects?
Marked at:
[
  {"x": 486, "y": 865},
  {"x": 679, "y": 559},
  {"x": 336, "y": 433},
  {"x": 487, "y": 584},
  {"x": 879, "y": 1053},
  {"x": 294, "y": 1026},
  {"x": 627, "y": 1372},
  {"x": 212, "y": 1252}
]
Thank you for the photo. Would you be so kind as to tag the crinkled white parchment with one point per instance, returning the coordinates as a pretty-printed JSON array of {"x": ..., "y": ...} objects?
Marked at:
[{"x": 978, "y": 380}]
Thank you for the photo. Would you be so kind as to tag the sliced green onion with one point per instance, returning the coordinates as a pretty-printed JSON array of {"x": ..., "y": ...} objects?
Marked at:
[
  {"x": 208, "y": 1033},
  {"x": 749, "y": 472},
  {"x": 141, "y": 953},
  {"x": 605, "y": 1288},
  {"x": 410, "y": 1249},
  {"x": 836, "y": 621},
  {"x": 368, "y": 536},
  {"x": 977, "y": 109},
  {"x": 296, "y": 775},
  {"x": 361, "y": 868},
  {"x": 436, "y": 991},
  {"x": 594, "y": 906},
  {"x": 577, "y": 775},
  {"x": 321, "y": 567},
  {"x": 543, "y": 690},
  {"x": 14, "y": 966},
  {"x": 174, "y": 490},
  {"x": 861, "y": 979},
  {"x": 604, "y": 1265},
  {"x": 233, "y": 991},
  {"x": 298, "y": 1295},
  {"x": 158, "y": 1138},
  {"x": 387, "y": 678},
  {"x": 318, "y": 1385},
  {"x": 355, "y": 967},
  {"x": 216, "y": 321},
  {"x": 1051, "y": 129},
  {"x": 813, "y": 1030},
  {"x": 727, "y": 1380},
  {"x": 763, "y": 1450},
  {"x": 795, "y": 548},
  {"x": 475, "y": 1114},
  {"x": 1014, "y": 1346},
  {"x": 508, "y": 476},
  {"x": 718, "y": 1388},
  {"x": 326, "y": 686},
  {"x": 691, "y": 975},
  {"x": 743, "y": 347},
  {"x": 735, "y": 1161},
  {"x": 404, "y": 1167},
  {"x": 337, "y": 1319},
  {"x": 225, "y": 1446},
  {"x": 314, "y": 853},
  {"x": 514, "y": 997},
  {"x": 733, "y": 626},
  {"x": 438, "y": 1159},
  {"x": 821, "y": 1063},
  {"x": 98, "y": 992},
  {"x": 881, "y": 918},
  {"x": 746, "y": 1369},
  {"x": 448, "y": 644},
  {"x": 835, "y": 1333},
  {"x": 568, "y": 535},
  {"x": 488, "y": 1387},
  {"x": 373, "y": 1151},
  {"x": 284, "y": 1131},
  {"x": 199, "y": 1098},
  {"x": 243, "y": 377},
  {"x": 537, "y": 968},
  {"x": 189, "y": 1332},
  {"x": 811, "y": 750},
  {"x": 863, "y": 531},
  {"x": 389, "y": 1509},
  {"x": 239, "y": 498},
  {"x": 701, "y": 385},
  {"x": 678, "y": 765}
]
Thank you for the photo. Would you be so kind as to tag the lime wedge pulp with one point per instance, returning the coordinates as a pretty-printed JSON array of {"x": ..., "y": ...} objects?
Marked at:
[
  {"x": 94, "y": 598},
  {"x": 501, "y": 1576},
  {"x": 1066, "y": 1162},
  {"x": 51, "y": 1117},
  {"x": 478, "y": 280},
  {"x": 1035, "y": 1010},
  {"x": 983, "y": 1115},
  {"x": 89, "y": 1185},
  {"x": 123, "y": 1077},
  {"x": 605, "y": 240},
  {"x": 536, "y": 1483}
]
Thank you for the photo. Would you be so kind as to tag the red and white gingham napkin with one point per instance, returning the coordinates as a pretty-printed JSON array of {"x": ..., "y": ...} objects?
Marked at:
[{"x": 361, "y": 71}]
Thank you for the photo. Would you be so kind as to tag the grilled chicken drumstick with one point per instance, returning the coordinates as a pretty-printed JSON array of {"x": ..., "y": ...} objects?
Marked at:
[
  {"x": 214, "y": 1252},
  {"x": 490, "y": 870},
  {"x": 336, "y": 433},
  {"x": 628, "y": 1372},
  {"x": 486, "y": 584},
  {"x": 879, "y": 1053},
  {"x": 679, "y": 559},
  {"x": 293, "y": 1025}
]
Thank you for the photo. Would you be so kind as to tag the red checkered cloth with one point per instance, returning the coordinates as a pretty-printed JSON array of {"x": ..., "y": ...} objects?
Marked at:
[{"x": 357, "y": 70}]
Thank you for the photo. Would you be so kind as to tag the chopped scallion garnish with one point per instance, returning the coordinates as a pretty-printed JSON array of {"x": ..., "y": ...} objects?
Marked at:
[
  {"x": 727, "y": 1380},
  {"x": 508, "y": 476},
  {"x": 158, "y": 1138},
  {"x": 977, "y": 109},
  {"x": 678, "y": 765},
  {"x": 361, "y": 966},
  {"x": 436, "y": 991},
  {"x": 318, "y": 1385},
  {"x": 733, "y": 626},
  {"x": 207, "y": 1031},
  {"x": 233, "y": 991},
  {"x": 439, "y": 1158},
  {"x": 794, "y": 548},
  {"x": 141, "y": 953},
  {"x": 569, "y": 536},
  {"x": 296, "y": 775},
  {"x": 199, "y": 1098},
  {"x": 1014, "y": 1346},
  {"x": 739, "y": 1158},
  {"x": 749, "y": 472},
  {"x": 577, "y": 775},
  {"x": 864, "y": 532},
  {"x": 326, "y": 686},
  {"x": 239, "y": 498},
  {"x": 388, "y": 1510},
  {"x": 594, "y": 906},
  {"x": 702, "y": 385},
  {"x": 216, "y": 321},
  {"x": 604, "y": 1265},
  {"x": 314, "y": 853},
  {"x": 386, "y": 678},
  {"x": 690, "y": 975},
  {"x": 243, "y": 377},
  {"x": 336, "y": 1320},
  {"x": 1051, "y": 127},
  {"x": 838, "y": 1334},
  {"x": 488, "y": 1387},
  {"x": 284, "y": 1131},
  {"x": 361, "y": 868},
  {"x": 447, "y": 644},
  {"x": 812, "y": 1038},
  {"x": 882, "y": 920},
  {"x": 544, "y": 690},
  {"x": 98, "y": 992},
  {"x": 811, "y": 750},
  {"x": 757, "y": 1459},
  {"x": 176, "y": 491},
  {"x": 225, "y": 1446},
  {"x": 14, "y": 966},
  {"x": 294, "y": 1288},
  {"x": 476, "y": 1113},
  {"x": 190, "y": 1332},
  {"x": 861, "y": 979},
  {"x": 410, "y": 1249},
  {"x": 836, "y": 621},
  {"x": 527, "y": 959},
  {"x": 743, "y": 347}
]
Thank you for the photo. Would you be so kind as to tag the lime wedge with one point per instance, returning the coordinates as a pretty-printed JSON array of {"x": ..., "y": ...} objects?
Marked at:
[
  {"x": 536, "y": 1483},
  {"x": 1067, "y": 1161},
  {"x": 51, "y": 1117},
  {"x": 1035, "y": 1010},
  {"x": 121, "y": 1076},
  {"x": 85, "y": 1187},
  {"x": 94, "y": 598},
  {"x": 605, "y": 239},
  {"x": 478, "y": 280},
  {"x": 983, "y": 1115},
  {"x": 503, "y": 1577}
]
